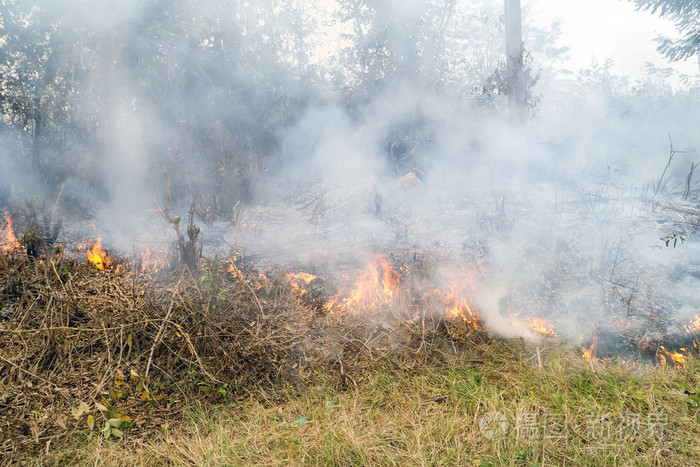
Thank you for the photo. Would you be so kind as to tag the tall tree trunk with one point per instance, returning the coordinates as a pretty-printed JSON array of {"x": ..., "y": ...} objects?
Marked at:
[{"x": 514, "y": 59}]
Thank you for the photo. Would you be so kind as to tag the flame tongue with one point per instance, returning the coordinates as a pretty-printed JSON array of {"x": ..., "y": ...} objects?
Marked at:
[
  {"x": 676, "y": 357},
  {"x": 457, "y": 306},
  {"x": 258, "y": 283},
  {"x": 589, "y": 354},
  {"x": 694, "y": 326},
  {"x": 538, "y": 325},
  {"x": 298, "y": 283},
  {"x": 150, "y": 261},
  {"x": 9, "y": 240},
  {"x": 98, "y": 257},
  {"x": 460, "y": 285},
  {"x": 377, "y": 285}
]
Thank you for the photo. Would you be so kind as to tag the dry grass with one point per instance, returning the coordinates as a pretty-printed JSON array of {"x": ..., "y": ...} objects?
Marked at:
[
  {"x": 124, "y": 353},
  {"x": 431, "y": 417},
  {"x": 240, "y": 373}
]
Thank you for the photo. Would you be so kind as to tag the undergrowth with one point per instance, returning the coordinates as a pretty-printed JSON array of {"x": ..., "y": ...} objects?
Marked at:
[{"x": 566, "y": 412}]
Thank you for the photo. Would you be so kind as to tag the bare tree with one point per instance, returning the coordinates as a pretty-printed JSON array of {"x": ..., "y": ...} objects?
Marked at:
[{"x": 514, "y": 59}]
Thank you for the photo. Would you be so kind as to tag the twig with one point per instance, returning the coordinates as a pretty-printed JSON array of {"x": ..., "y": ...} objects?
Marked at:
[
  {"x": 438, "y": 399},
  {"x": 162, "y": 327},
  {"x": 693, "y": 165},
  {"x": 158, "y": 336},
  {"x": 77, "y": 329},
  {"x": 194, "y": 352},
  {"x": 28, "y": 372},
  {"x": 255, "y": 296},
  {"x": 59, "y": 195},
  {"x": 166, "y": 212},
  {"x": 672, "y": 153}
]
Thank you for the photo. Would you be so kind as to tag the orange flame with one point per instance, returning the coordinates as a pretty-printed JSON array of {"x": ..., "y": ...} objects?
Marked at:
[
  {"x": 98, "y": 257},
  {"x": 676, "y": 357},
  {"x": 298, "y": 282},
  {"x": 538, "y": 325},
  {"x": 456, "y": 304},
  {"x": 257, "y": 283},
  {"x": 9, "y": 239},
  {"x": 150, "y": 261},
  {"x": 589, "y": 354},
  {"x": 377, "y": 285},
  {"x": 693, "y": 326},
  {"x": 455, "y": 299},
  {"x": 542, "y": 326}
]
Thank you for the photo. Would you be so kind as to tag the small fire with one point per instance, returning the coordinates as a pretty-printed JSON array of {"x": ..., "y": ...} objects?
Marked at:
[
  {"x": 150, "y": 261},
  {"x": 256, "y": 282},
  {"x": 589, "y": 354},
  {"x": 542, "y": 326},
  {"x": 664, "y": 356},
  {"x": 97, "y": 256},
  {"x": 376, "y": 286},
  {"x": 676, "y": 357},
  {"x": 538, "y": 325},
  {"x": 460, "y": 285},
  {"x": 456, "y": 304},
  {"x": 298, "y": 282},
  {"x": 694, "y": 326},
  {"x": 9, "y": 241}
]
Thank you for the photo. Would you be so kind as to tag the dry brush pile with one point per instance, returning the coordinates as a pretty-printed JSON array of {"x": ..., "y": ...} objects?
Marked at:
[{"x": 120, "y": 353}]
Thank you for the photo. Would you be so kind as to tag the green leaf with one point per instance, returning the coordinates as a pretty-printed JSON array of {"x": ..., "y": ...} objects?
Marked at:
[
  {"x": 115, "y": 422},
  {"x": 84, "y": 407},
  {"x": 100, "y": 407},
  {"x": 90, "y": 422},
  {"x": 117, "y": 433}
]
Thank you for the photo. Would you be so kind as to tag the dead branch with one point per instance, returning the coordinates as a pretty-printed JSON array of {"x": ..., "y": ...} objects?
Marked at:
[
  {"x": 189, "y": 252},
  {"x": 686, "y": 193},
  {"x": 672, "y": 153}
]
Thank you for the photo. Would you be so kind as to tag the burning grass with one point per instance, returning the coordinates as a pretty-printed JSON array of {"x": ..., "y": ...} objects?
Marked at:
[
  {"x": 118, "y": 352},
  {"x": 8, "y": 239},
  {"x": 391, "y": 368}
]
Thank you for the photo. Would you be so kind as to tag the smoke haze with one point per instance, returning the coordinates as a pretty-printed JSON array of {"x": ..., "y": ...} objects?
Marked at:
[{"x": 398, "y": 141}]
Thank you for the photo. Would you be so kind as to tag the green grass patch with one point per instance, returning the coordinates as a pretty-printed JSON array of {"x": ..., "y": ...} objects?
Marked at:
[{"x": 497, "y": 407}]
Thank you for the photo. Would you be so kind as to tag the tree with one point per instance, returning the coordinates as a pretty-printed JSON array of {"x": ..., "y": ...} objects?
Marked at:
[
  {"x": 685, "y": 14},
  {"x": 514, "y": 58}
]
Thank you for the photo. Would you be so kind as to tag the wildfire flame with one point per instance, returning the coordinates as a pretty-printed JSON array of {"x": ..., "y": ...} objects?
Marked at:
[
  {"x": 256, "y": 282},
  {"x": 538, "y": 325},
  {"x": 9, "y": 239},
  {"x": 694, "y": 326},
  {"x": 664, "y": 356},
  {"x": 97, "y": 256},
  {"x": 150, "y": 261},
  {"x": 298, "y": 282},
  {"x": 376, "y": 286},
  {"x": 589, "y": 354},
  {"x": 676, "y": 357},
  {"x": 456, "y": 304}
]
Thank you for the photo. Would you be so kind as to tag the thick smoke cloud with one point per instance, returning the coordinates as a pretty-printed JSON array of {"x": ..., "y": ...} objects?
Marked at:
[{"x": 384, "y": 146}]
